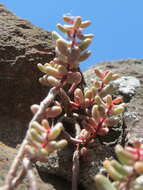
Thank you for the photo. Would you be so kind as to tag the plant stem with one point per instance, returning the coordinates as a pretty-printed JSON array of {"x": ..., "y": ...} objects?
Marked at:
[
  {"x": 76, "y": 156},
  {"x": 75, "y": 169},
  {"x": 37, "y": 117},
  {"x": 16, "y": 181},
  {"x": 30, "y": 174}
]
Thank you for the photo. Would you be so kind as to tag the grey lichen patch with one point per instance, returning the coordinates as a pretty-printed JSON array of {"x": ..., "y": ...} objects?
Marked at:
[
  {"x": 131, "y": 115},
  {"x": 127, "y": 85}
]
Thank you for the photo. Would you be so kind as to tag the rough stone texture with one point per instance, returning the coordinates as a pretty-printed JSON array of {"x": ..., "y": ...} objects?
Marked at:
[
  {"x": 22, "y": 46},
  {"x": 7, "y": 155},
  {"x": 127, "y": 86}
]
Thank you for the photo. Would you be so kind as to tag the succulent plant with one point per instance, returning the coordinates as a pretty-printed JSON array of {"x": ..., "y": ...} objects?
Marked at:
[
  {"x": 126, "y": 173},
  {"x": 41, "y": 140},
  {"x": 69, "y": 53},
  {"x": 91, "y": 110}
]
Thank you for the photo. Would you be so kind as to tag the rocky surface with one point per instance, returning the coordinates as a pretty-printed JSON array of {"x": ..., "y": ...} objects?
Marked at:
[
  {"x": 22, "y": 46},
  {"x": 7, "y": 155}
]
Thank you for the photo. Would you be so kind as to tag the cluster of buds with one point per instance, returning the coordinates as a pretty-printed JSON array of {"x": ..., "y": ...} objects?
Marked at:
[
  {"x": 99, "y": 112},
  {"x": 64, "y": 69},
  {"x": 127, "y": 173},
  {"x": 41, "y": 140},
  {"x": 104, "y": 80},
  {"x": 103, "y": 114},
  {"x": 50, "y": 112}
]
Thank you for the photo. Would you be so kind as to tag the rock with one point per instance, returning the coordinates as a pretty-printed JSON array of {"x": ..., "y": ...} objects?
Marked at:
[
  {"x": 127, "y": 86},
  {"x": 22, "y": 46},
  {"x": 7, "y": 155}
]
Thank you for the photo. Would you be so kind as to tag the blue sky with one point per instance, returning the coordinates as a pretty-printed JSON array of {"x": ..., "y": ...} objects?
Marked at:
[{"x": 117, "y": 24}]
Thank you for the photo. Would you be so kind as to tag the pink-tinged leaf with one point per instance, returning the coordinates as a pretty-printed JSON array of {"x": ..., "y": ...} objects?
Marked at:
[{"x": 117, "y": 100}]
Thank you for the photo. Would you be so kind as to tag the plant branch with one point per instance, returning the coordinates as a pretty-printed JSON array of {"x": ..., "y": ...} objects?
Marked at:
[
  {"x": 16, "y": 181},
  {"x": 37, "y": 117},
  {"x": 75, "y": 169},
  {"x": 29, "y": 171},
  {"x": 76, "y": 156}
]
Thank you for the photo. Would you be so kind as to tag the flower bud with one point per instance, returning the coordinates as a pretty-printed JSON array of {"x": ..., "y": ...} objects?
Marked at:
[
  {"x": 98, "y": 100},
  {"x": 120, "y": 168},
  {"x": 55, "y": 131},
  {"x": 103, "y": 183},
  {"x": 99, "y": 73},
  {"x": 42, "y": 68},
  {"x": 124, "y": 157},
  {"x": 51, "y": 146},
  {"x": 34, "y": 108},
  {"x": 89, "y": 94},
  {"x": 97, "y": 84},
  {"x": 94, "y": 91},
  {"x": 45, "y": 124},
  {"x": 115, "y": 76},
  {"x": 88, "y": 36},
  {"x": 114, "y": 174},
  {"x": 43, "y": 80},
  {"x": 62, "y": 46},
  {"x": 35, "y": 135},
  {"x": 37, "y": 126},
  {"x": 62, "y": 28},
  {"x": 86, "y": 102},
  {"x": 55, "y": 35},
  {"x": 84, "y": 133},
  {"x": 53, "y": 111},
  {"x": 139, "y": 181},
  {"x": 107, "y": 77},
  {"x": 118, "y": 100},
  {"x": 78, "y": 93},
  {"x": 85, "y": 24},
  {"x": 84, "y": 44},
  {"x": 117, "y": 110},
  {"x": 95, "y": 112},
  {"x": 53, "y": 81},
  {"x": 109, "y": 100},
  {"x": 68, "y": 19},
  {"x": 84, "y": 55},
  {"x": 61, "y": 144},
  {"x": 55, "y": 70},
  {"x": 77, "y": 22},
  {"x": 139, "y": 167},
  {"x": 32, "y": 141},
  {"x": 102, "y": 111},
  {"x": 108, "y": 89}
]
